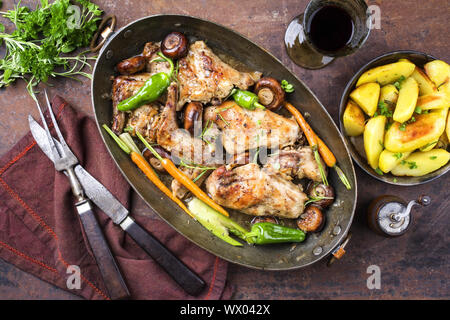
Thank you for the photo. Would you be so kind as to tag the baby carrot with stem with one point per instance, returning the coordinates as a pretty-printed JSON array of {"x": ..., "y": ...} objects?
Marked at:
[
  {"x": 183, "y": 179},
  {"x": 130, "y": 148},
  {"x": 318, "y": 146}
]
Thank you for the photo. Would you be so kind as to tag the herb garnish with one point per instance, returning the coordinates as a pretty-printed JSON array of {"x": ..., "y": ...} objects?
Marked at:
[
  {"x": 223, "y": 119},
  {"x": 388, "y": 125},
  {"x": 429, "y": 144},
  {"x": 205, "y": 130},
  {"x": 315, "y": 199},
  {"x": 398, "y": 83},
  {"x": 402, "y": 126},
  {"x": 128, "y": 129},
  {"x": 383, "y": 110},
  {"x": 286, "y": 86},
  {"x": 192, "y": 165},
  {"x": 37, "y": 48},
  {"x": 398, "y": 155},
  {"x": 411, "y": 164}
]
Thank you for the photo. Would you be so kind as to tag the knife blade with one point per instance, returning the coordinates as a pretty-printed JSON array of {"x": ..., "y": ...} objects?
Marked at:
[
  {"x": 93, "y": 189},
  {"x": 112, "y": 207}
]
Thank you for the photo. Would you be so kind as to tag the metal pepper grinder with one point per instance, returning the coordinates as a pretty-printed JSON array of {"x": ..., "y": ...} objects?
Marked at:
[{"x": 390, "y": 216}]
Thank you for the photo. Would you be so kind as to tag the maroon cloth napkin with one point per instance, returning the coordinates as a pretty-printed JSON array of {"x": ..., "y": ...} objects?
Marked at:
[{"x": 40, "y": 232}]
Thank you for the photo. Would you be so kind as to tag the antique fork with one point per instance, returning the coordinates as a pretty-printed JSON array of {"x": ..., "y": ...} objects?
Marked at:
[{"x": 65, "y": 160}]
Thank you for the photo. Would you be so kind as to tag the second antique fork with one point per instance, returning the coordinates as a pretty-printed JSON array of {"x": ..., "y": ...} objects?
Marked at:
[{"x": 65, "y": 160}]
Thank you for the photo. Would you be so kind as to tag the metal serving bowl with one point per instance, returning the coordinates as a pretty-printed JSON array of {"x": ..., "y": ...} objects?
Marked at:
[
  {"x": 128, "y": 42},
  {"x": 355, "y": 144}
]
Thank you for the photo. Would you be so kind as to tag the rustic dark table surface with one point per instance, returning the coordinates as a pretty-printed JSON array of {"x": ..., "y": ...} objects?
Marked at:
[{"x": 414, "y": 266}]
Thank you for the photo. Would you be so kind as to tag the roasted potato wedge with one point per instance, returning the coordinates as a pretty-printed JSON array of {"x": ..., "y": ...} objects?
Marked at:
[
  {"x": 438, "y": 71},
  {"x": 447, "y": 130},
  {"x": 437, "y": 100},
  {"x": 389, "y": 94},
  {"x": 422, "y": 163},
  {"x": 353, "y": 119},
  {"x": 443, "y": 141},
  {"x": 374, "y": 139},
  {"x": 427, "y": 128},
  {"x": 407, "y": 99},
  {"x": 366, "y": 96},
  {"x": 389, "y": 160},
  {"x": 445, "y": 89},
  {"x": 426, "y": 86},
  {"x": 387, "y": 73},
  {"x": 429, "y": 146}
]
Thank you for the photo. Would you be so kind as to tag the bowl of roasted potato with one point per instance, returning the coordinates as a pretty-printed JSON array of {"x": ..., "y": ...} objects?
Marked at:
[{"x": 394, "y": 117}]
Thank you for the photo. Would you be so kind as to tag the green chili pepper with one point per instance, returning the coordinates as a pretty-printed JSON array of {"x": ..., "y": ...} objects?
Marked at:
[
  {"x": 247, "y": 99},
  {"x": 152, "y": 89},
  {"x": 265, "y": 233}
]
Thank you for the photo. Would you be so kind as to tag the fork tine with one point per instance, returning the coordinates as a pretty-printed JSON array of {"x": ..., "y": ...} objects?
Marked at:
[
  {"x": 55, "y": 123},
  {"x": 55, "y": 151}
]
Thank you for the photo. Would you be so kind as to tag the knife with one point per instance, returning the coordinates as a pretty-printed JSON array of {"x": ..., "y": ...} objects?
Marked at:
[{"x": 101, "y": 196}]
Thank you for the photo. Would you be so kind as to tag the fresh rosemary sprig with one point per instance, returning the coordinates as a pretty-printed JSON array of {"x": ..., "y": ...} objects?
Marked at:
[
  {"x": 196, "y": 166},
  {"x": 315, "y": 199}
]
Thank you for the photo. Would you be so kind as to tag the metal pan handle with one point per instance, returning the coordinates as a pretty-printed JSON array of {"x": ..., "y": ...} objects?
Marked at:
[
  {"x": 104, "y": 31},
  {"x": 339, "y": 251}
]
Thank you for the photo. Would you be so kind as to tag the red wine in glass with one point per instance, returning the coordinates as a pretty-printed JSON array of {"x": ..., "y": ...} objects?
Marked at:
[
  {"x": 327, "y": 29},
  {"x": 330, "y": 28}
]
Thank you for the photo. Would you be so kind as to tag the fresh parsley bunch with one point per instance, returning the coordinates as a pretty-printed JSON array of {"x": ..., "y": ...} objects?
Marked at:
[{"x": 43, "y": 39}]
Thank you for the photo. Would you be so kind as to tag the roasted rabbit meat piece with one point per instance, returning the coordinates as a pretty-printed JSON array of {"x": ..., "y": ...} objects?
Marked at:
[
  {"x": 145, "y": 120},
  {"x": 124, "y": 87},
  {"x": 298, "y": 163},
  {"x": 179, "y": 141},
  {"x": 155, "y": 64},
  {"x": 203, "y": 76},
  {"x": 256, "y": 191},
  {"x": 244, "y": 129}
]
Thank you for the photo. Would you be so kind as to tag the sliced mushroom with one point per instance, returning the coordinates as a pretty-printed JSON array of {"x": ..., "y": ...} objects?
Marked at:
[
  {"x": 270, "y": 93},
  {"x": 152, "y": 159},
  {"x": 192, "y": 115},
  {"x": 312, "y": 220},
  {"x": 131, "y": 65},
  {"x": 320, "y": 190},
  {"x": 268, "y": 219},
  {"x": 175, "y": 45}
]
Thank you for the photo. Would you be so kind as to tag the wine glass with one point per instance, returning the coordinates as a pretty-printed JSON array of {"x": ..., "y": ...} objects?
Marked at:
[{"x": 325, "y": 30}]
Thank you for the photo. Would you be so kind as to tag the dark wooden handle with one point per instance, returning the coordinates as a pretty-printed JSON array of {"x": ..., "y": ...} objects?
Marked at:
[
  {"x": 184, "y": 276},
  {"x": 112, "y": 277}
]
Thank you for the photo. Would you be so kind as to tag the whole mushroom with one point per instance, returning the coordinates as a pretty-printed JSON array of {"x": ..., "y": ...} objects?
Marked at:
[
  {"x": 192, "y": 115},
  {"x": 175, "y": 45},
  {"x": 312, "y": 220},
  {"x": 320, "y": 190},
  {"x": 270, "y": 93},
  {"x": 131, "y": 65}
]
